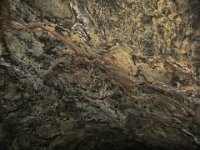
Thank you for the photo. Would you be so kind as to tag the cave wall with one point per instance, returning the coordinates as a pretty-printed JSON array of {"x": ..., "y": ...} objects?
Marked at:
[{"x": 99, "y": 74}]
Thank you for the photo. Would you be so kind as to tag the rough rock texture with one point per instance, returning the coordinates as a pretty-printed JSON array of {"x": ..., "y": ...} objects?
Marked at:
[{"x": 99, "y": 74}]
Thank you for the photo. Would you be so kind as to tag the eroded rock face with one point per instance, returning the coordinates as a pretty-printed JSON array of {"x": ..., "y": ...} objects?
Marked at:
[{"x": 107, "y": 74}]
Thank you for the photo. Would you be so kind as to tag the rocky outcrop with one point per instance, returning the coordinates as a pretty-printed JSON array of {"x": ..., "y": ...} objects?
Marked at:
[{"x": 107, "y": 74}]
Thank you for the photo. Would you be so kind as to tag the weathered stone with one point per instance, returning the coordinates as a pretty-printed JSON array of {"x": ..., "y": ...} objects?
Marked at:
[{"x": 99, "y": 74}]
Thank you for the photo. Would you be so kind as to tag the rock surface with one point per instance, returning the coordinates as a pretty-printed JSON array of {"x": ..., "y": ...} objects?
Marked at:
[{"x": 99, "y": 74}]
